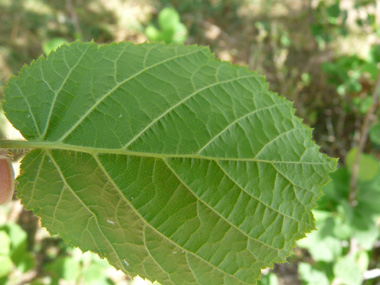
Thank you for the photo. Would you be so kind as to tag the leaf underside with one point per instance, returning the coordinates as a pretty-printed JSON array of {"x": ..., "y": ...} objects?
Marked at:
[{"x": 171, "y": 164}]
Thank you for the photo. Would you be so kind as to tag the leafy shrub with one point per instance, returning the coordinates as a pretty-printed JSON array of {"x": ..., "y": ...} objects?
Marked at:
[
  {"x": 354, "y": 76},
  {"x": 13, "y": 252},
  {"x": 338, "y": 223}
]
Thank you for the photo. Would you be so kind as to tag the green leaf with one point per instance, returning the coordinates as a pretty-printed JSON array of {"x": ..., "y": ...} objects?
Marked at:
[
  {"x": 371, "y": 69},
  {"x": 171, "y": 164},
  {"x": 153, "y": 33},
  {"x": 168, "y": 18},
  {"x": 348, "y": 272},
  {"x": 6, "y": 265},
  {"x": 374, "y": 133},
  {"x": 269, "y": 279},
  {"x": 368, "y": 165},
  {"x": 94, "y": 269},
  {"x": 19, "y": 253},
  {"x": 359, "y": 222},
  {"x": 172, "y": 30},
  {"x": 374, "y": 54},
  {"x": 64, "y": 267},
  {"x": 333, "y": 11},
  {"x": 53, "y": 44},
  {"x": 367, "y": 238},
  {"x": 363, "y": 260},
  {"x": 312, "y": 276},
  {"x": 95, "y": 274},
  {"x": 5, "y": 242},
  {"x": 366, "y": 213}
]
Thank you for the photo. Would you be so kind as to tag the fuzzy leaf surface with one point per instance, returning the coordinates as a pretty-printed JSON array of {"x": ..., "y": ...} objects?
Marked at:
[{"x": 169, "y": 163}]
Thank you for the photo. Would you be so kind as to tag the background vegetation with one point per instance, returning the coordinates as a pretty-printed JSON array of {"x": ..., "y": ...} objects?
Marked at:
[{"x": 321, "y": 54}]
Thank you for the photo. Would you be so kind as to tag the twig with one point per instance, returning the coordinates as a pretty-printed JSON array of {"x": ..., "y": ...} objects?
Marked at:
[{"x": 362, "y": 140}]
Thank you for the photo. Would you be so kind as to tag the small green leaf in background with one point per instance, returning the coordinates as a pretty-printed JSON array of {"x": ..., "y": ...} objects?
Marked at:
[
  {"x": 268, "y": 279},
  {"x": 79, "y": 267},
  {"x": 363, "y": 260},
  {"x": 64, "y": 267},
  {"x": 306, "y": 78},
  {"x": 374, "y": 133},
  {"x": 5, "y": 242},
  {"x": 14, "y": 253},
  {"x": 53, "y": 44},
  {"x": 6, "y": 264},
  {"x": 345, "y": 73},
  {"x": 363, "y": 104},
  {"x": 359, "y": 222},
  {"x": 347, "y": 271},
  {"x": 336, "y": 190},
  {"x": 94, "y": 269},
  {"x": 370, "y": 68},
  {"x": 20, "y": 254},
  {"x": 368, "y": 165},
  {"x": 312, "y": 276},
  {"x": 333, "y": 12},
  {"x": 172, "y": 30},
  {"x": 285, "y": 40},
  {"x": 169, "y": 163},
  {"x": 374, "y": 54}
]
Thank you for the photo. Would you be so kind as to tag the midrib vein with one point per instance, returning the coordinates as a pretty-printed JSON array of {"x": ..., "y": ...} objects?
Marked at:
[{"x": 99, "y": 150}]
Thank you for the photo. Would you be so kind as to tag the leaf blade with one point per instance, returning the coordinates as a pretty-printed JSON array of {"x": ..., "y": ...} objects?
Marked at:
[{"x": 173, "y": 165}]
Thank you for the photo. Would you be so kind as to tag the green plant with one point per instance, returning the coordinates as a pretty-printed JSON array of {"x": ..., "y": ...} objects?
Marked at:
[
  {"x": 330, "y": 22},
  {"x": 338, "y": 223},
  {"x": 172, "y": 30},
  {"x": 347, "y": 216},
  {"x": 354, "y": 76},
  {"x": 269, "y": 279},
  {"x": 76, "y": 267},
  {"x": 13, "y": 252},
  {"x": 167, "y": 162}
]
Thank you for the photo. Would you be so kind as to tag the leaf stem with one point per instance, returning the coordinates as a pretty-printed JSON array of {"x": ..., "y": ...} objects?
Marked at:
[
  {"x": 362, "y": 141},
  {"x": 22, "y": 144}
]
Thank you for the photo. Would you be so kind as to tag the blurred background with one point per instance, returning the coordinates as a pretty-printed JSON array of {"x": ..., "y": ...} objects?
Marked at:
[{"x": 321, "y": 54}]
